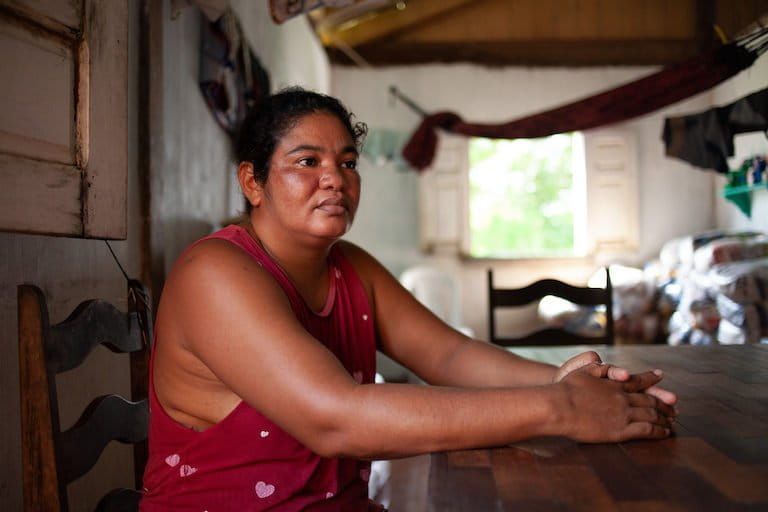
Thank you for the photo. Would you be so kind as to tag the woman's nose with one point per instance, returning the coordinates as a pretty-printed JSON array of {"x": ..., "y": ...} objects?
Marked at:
[{"x": 332, "y": 177}]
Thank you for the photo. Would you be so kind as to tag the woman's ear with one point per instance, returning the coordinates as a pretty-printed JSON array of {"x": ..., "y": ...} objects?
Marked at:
[{"x": 251, "y": 189}]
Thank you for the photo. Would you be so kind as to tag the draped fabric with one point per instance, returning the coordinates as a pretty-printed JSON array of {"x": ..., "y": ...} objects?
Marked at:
[
  {"x": 642, "y": 96},
  {"x": 705, "y": 139},
  {"x": 231, "y": 77}
]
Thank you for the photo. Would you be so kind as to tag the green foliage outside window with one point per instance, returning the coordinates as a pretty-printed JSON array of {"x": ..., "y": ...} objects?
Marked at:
[{"x": 521, "y": 197}]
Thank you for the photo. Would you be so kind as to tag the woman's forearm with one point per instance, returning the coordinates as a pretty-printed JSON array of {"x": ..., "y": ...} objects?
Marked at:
[
  {"x": 475, "y": 363},
  {"x": 394, "y": 420},
  {"x": 399, "y": 420}
]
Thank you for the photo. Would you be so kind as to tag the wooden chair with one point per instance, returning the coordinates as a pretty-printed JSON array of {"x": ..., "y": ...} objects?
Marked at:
[
  {"x": 516, "y": 297},
  {"x": 52, "y": 458}
]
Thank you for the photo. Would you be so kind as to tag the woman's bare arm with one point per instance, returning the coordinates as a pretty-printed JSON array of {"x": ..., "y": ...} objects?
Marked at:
[{"x": 234, "y": 318}]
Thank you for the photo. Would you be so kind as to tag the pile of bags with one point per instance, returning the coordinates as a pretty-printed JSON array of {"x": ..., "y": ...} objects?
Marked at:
[
  {"x": 704, "y": 289},
  {"x": 718, "y": 285}
]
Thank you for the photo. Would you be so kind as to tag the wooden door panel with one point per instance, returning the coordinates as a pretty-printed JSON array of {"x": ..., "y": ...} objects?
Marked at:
[
  {"x": 38, "y": 101},
  {"x": 63, "y": 124},
  {"x": 49, "y": 200}
]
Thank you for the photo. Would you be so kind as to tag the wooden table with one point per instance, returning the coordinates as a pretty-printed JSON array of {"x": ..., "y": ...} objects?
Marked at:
[{"x": 718, "y": 459}]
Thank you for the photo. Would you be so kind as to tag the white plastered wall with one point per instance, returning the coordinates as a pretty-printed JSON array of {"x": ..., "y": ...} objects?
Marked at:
[{"x": 674, "y": 198}]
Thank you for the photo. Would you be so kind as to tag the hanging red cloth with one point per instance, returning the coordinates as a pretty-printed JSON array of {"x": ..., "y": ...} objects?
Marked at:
[{"x": 642, "y": 96}]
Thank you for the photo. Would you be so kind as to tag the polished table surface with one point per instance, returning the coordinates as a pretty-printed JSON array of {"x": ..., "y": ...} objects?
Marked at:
[{"x": 717, "y": 460}]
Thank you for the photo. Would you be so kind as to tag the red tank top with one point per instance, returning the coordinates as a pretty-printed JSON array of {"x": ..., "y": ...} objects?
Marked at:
[{"x": 246, "y": 462}]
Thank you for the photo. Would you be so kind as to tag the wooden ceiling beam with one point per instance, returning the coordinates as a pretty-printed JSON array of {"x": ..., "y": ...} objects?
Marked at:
[
  {"x": 533, "y": 53},
  {"x": 377, "y": 26}
]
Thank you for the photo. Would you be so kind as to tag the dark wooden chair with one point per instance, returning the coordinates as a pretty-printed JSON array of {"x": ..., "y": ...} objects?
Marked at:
[
  {"x": 52, "y": 458},
  {"x": 517, "y": 297}
]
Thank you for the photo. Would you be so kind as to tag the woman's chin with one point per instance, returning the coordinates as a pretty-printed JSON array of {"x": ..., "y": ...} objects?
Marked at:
[
  {"x": 336, "y": 229},
  {"x": 332, "y": 233}
]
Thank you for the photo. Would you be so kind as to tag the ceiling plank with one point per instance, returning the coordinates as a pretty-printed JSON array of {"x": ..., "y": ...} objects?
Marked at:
[
  {"x": 386, "y": 23},
  {"x": 586, "y": 20},
  {"x": 544, "y": 32}
]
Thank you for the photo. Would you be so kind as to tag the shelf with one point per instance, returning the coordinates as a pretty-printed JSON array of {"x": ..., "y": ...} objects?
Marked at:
[
  {"x": 730, "y": 191},
  {"x": 742, "y": 196}
]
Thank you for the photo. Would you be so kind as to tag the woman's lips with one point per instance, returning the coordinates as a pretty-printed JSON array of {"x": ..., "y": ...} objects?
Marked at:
[
  {"x": 333, "y": 206},
  {"x": 332, "y": 209}
]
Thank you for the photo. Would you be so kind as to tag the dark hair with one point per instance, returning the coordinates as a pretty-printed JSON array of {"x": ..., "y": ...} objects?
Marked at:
[{"x": 275, "y": 115}]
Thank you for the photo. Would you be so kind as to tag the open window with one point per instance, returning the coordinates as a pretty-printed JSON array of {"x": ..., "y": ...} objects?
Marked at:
[{"x": 568, "y": 195}]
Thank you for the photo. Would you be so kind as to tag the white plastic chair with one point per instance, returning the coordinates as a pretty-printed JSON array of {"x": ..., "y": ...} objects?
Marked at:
[{"x": 438, "y": 291}]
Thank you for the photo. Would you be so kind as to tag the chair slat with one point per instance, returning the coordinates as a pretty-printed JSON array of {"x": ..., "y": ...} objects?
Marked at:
[
  {"x": 544, "y": 287},
  {"x": 106, "y": 418},
  {"x": 92, "y": 323},
  {"x": 551, "y": 336},
  {"x": 120, "y": 500}
]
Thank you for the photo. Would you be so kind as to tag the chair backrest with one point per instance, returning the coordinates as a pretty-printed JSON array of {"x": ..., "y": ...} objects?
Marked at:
[
  {"x": 436, "y": 289},
  {"x": 517, "y": 297},
  {"x": 52, "y": 458}
]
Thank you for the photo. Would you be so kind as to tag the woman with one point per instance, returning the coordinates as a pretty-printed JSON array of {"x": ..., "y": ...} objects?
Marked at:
[{"x": 265, "y": 348}]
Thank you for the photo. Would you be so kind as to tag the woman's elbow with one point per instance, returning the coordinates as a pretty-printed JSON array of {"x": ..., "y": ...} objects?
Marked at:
[
  {"x": 335, "y": 443},
  {"x": 333, "y": 432}
]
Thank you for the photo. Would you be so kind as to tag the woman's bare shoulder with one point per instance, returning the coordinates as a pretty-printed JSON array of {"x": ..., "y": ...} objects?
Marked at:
[
  {"x": 214, "y": 258},
  {"x": 210, "y": 250},
  {"x": 212, "y": 276}
]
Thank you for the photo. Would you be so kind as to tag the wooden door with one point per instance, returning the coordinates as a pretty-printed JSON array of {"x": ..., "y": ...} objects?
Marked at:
[{"x": 64, "y": 117}]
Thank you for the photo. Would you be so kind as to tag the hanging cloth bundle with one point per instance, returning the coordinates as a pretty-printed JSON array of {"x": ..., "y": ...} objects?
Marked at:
[
  {"x": 705, "y": 139},
  {"x": 642, "y": 96},
  {"x": 231, "y": 77}
]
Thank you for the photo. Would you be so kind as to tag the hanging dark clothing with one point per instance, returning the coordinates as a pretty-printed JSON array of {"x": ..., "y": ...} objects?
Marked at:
[
  {"x": 642, "y": 96},
  {"x": 705, "y": 139}
]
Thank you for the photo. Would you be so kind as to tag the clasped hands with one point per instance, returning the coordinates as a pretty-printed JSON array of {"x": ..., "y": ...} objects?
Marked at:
[{"x": 607, "y": 403}]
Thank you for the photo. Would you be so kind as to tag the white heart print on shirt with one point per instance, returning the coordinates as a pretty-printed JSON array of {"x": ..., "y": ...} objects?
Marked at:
[
  {"x": 173, "y": 460},
  {"x": 187, "y": 470},
  {"x": 264, "y": 490}
]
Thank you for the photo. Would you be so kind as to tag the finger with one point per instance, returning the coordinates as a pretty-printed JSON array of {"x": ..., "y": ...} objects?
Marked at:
[
  {"x": 644, "y": 400},
  {"x": 617, "y": 373},
  {"x": 664, "y": 395},
  {"x": 598, "y": 370},
  {"x": 645, "y": 430},
  {"x": 641, "y": 381},
  {"x": 649, "y": 415},
  {"x": 580, "y": 360}
]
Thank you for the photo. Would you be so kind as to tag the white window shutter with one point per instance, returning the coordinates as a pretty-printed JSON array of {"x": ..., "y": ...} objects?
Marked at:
[
  {"x": 612, "y": 190},
  {"x": 442, "y": 190}
]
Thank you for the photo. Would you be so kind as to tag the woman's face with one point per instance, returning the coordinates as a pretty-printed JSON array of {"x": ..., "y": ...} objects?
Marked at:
[{"x": 313, "y": 187}]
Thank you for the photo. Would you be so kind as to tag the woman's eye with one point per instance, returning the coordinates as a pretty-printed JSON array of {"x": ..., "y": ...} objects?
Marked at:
[
  {"x": 350, "y": 164},
  {"x": 308, "y": 161}
]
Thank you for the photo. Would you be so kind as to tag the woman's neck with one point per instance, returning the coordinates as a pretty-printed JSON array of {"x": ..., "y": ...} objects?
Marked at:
[{"x": 305, "y": 263}]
